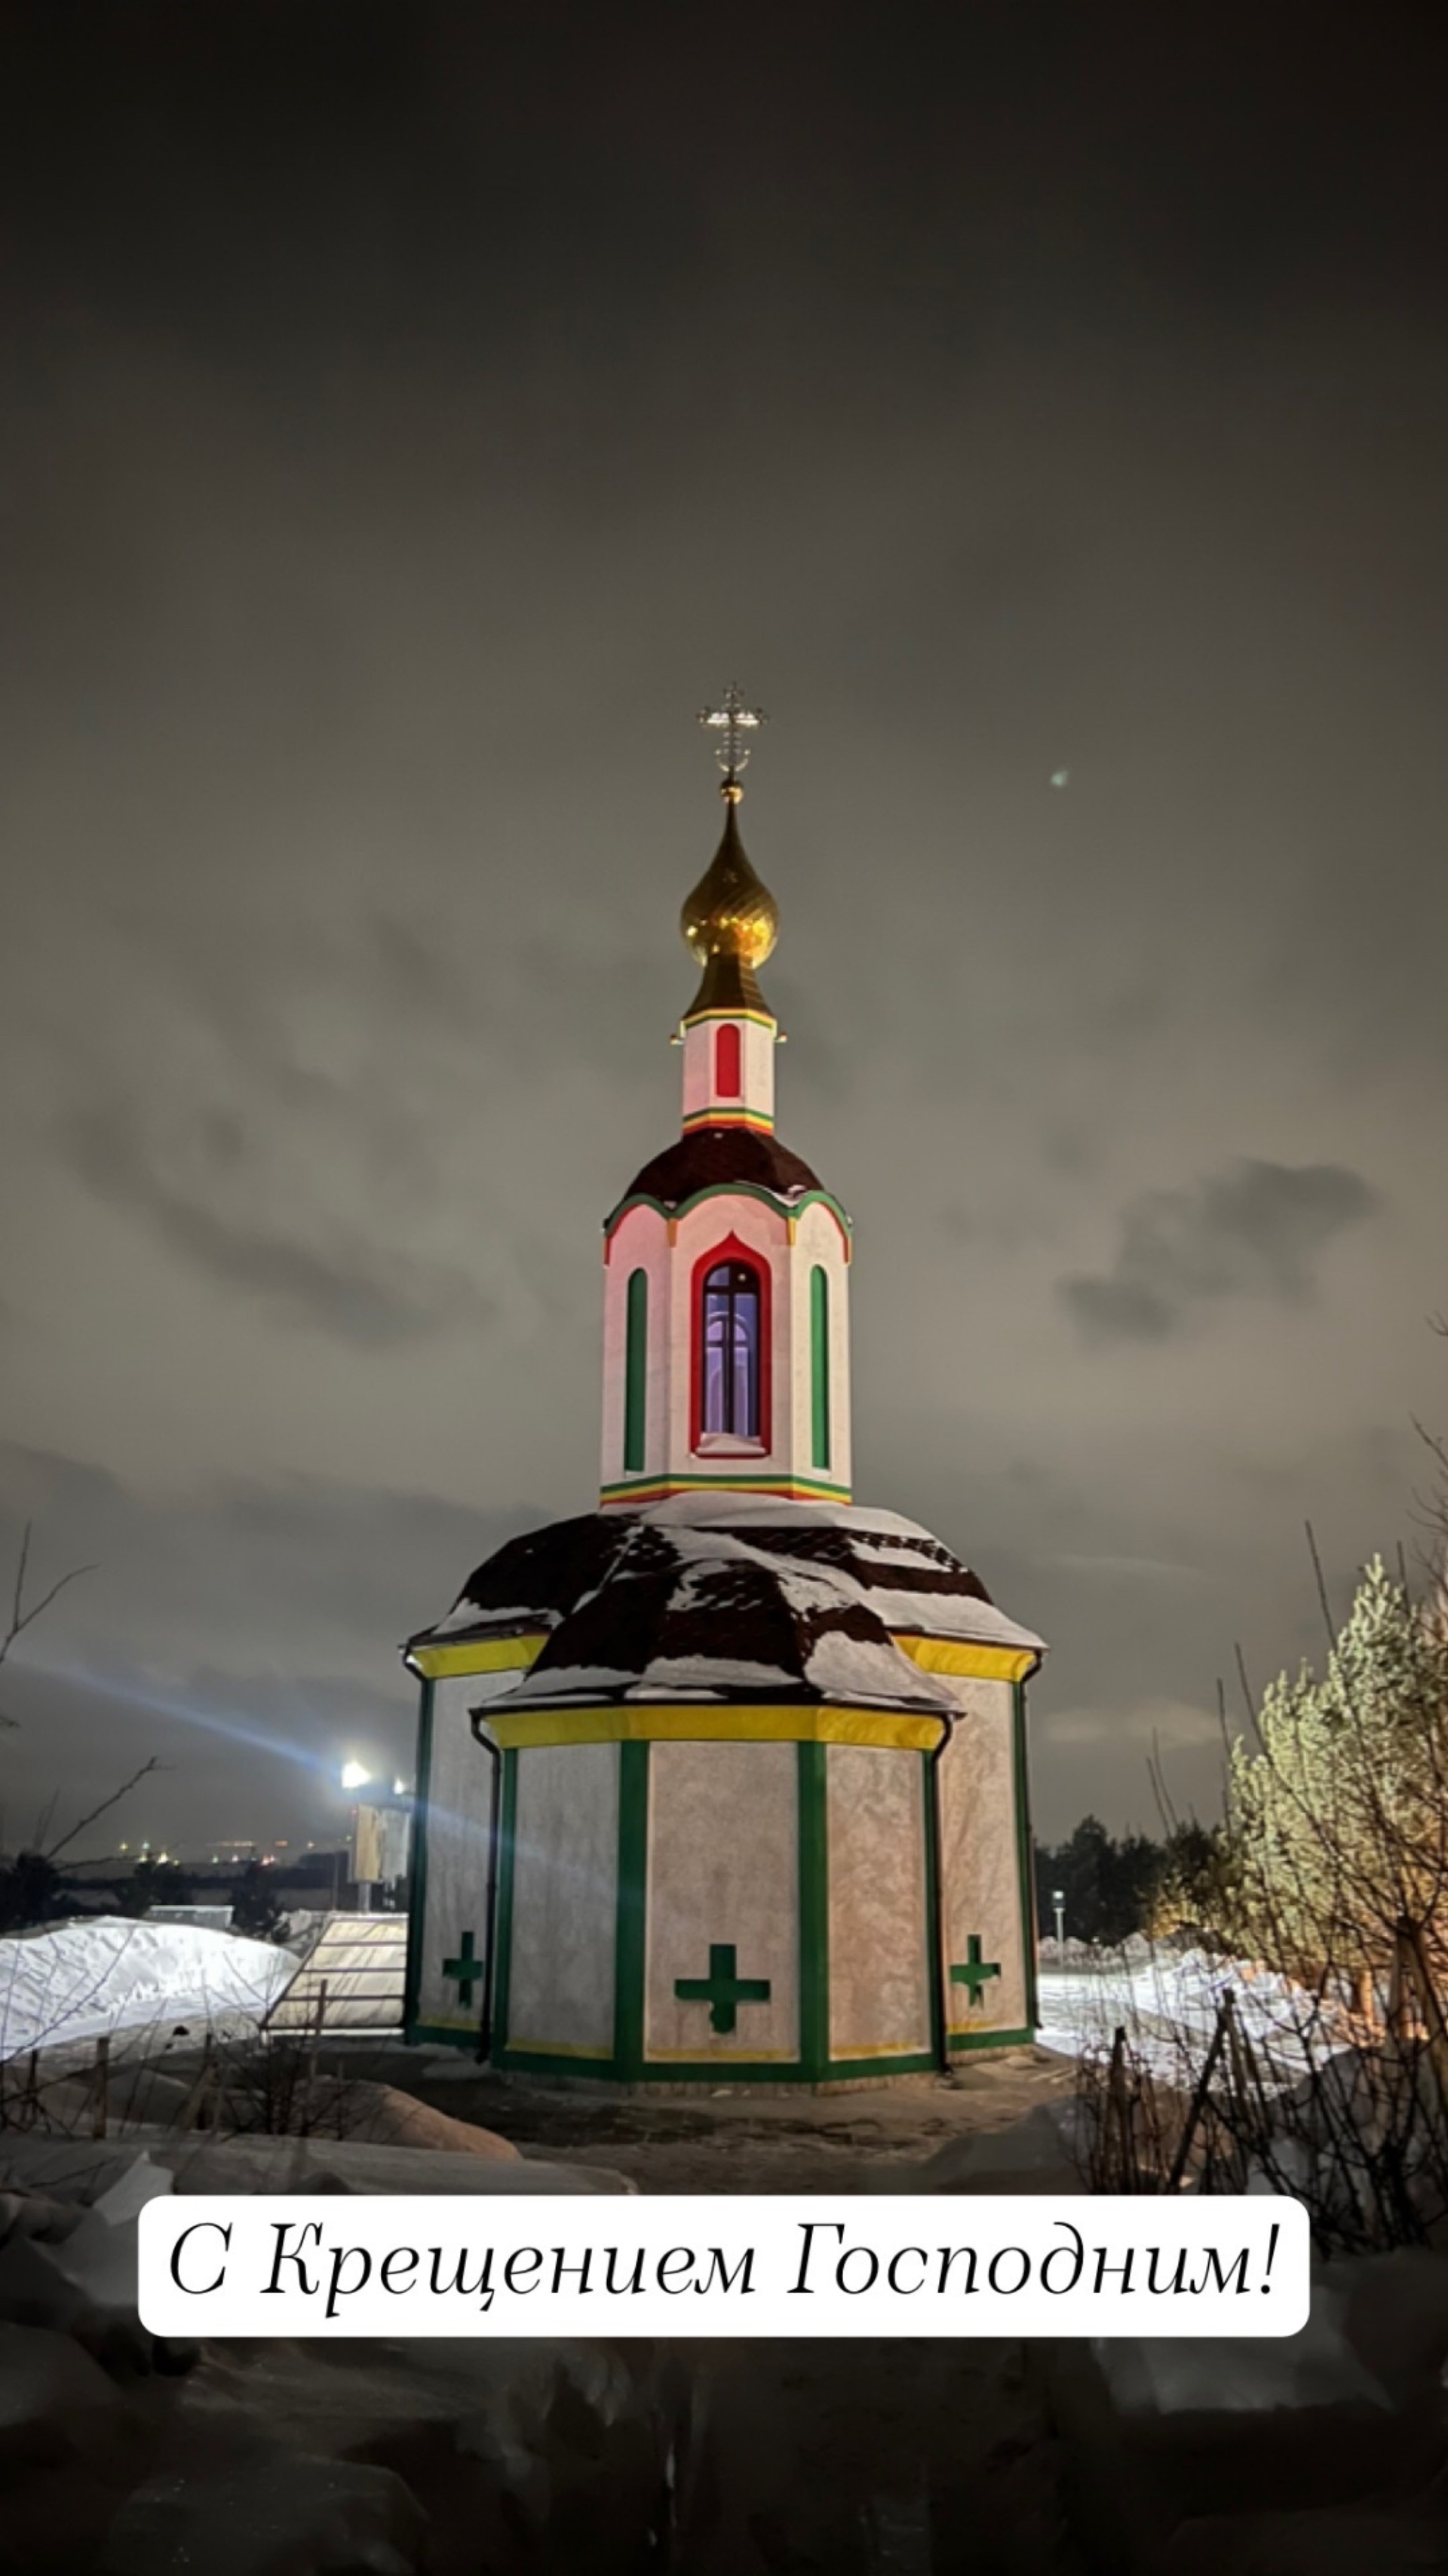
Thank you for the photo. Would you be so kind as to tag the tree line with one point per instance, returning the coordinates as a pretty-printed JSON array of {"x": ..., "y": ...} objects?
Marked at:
[{"x": 1110, "y": 1887}]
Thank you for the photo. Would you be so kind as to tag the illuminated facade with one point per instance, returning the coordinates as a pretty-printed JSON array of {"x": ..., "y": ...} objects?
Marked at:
[{"x": 725, "y": 1779}]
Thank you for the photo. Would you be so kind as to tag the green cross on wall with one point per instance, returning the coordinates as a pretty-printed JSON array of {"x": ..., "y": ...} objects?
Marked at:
[
  {"x": 722, "y": 1990},
  {"x": 465, "y": 1969},
  {"x": 975, "y": 1970}
]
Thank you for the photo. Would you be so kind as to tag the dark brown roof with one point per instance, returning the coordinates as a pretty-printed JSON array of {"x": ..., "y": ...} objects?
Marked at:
[
  {"x": 532, "y": 1581},
  {"x": 728, "y": 984},
  {"x": 721, "y": 1157},
  {"x": 920, "y": 1564}
]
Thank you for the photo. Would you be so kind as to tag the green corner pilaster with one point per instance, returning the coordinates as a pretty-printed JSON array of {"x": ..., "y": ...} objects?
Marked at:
[
  {"x": 814, "y": 1915},
  {"x": 1026, "y": 1855},
  {"x": 934, "y": 1968},
  {"x": 503, "y": 1925},
  {"x": 417, "y": 1892},
  {"x": 630, "y": 1954}
]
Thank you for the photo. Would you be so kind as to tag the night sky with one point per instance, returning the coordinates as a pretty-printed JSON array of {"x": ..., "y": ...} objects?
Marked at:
[{"x": 409, "y": 417}]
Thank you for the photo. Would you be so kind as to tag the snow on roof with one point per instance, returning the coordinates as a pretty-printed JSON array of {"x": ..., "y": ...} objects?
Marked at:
[
  {"x": 815, "y": 1554},
  {"x": 698, "y": 1611}
]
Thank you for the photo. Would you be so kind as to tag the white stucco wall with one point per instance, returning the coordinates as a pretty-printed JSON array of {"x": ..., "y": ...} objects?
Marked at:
[
  {"x": 723, "y": 1867},
  {"x": 879, "y": 1955},
  {"x": 456, "y": 1790},
  {"x": 640, "y": 1243},
  {"x": 818, "y": 1242},
  {"x": 669, "y": 1256},
  {"x": 980, "y": 1869},
  {"x": 565, "y": 1890},
  {"x": 756, "y": 1068}
]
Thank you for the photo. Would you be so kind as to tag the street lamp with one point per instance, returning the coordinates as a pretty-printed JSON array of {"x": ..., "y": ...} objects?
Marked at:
[
  {"x": 1058, "y": 1901},
  {"x": 355, "y": 1775}
]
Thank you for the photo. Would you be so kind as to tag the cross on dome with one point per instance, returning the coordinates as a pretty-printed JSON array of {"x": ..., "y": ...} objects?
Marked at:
[{"x": 732, "y": 722}]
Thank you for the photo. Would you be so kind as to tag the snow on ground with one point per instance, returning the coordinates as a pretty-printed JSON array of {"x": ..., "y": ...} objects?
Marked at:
[
  {"x": 107, "y": 1974},
  {"x": 1168, "y": 2003}
]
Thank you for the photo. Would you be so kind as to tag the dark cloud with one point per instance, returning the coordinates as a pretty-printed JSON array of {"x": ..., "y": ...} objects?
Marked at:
[
  {"x": 244, "y": 1632},
  {"x": 369, "y": 1298},
  {"x": 412, "y": 416},
  {"x": 1258, "y": 1230}
]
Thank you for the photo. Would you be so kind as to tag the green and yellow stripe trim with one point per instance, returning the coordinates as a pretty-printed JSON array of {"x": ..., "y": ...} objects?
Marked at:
[
  {"x": 754, "y": 1119},
  {"x": 657, "y": 1489},
  {"x": 758, "y": 1019}
]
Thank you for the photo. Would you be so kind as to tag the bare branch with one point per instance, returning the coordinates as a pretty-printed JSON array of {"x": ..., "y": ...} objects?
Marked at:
[
  {"x": 20, "y": 1617},
  {"x": 105, "y": 1805},
  {"x": 1326, "y": 1606}
]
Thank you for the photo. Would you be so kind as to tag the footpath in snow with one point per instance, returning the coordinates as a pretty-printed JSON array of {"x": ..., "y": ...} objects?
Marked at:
[{"x": 110, "y": 1975}]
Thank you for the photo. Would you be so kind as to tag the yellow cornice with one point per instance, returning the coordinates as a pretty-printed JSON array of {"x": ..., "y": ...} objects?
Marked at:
[
  {"x": 478, "y": 1655},
  {"x": 652, "y": 1722},
  {"x": 976, "y": 1662},
  {"x": 607, "y": 1725}
]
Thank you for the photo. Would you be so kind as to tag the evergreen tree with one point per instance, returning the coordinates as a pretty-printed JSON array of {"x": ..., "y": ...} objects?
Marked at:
[
  {"x": 154, "y": 1882},
  {"x": 29, "y": 1891},
  {"x": 1339, "y": 1820},
  {"x": 254, "y": 1908}
]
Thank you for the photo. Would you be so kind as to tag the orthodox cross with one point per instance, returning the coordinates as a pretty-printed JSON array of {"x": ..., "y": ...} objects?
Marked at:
[
  {"x": 732, "y": 722},
  {"x": 975, "y": 1970},
  {"x": 466, "y": 1971},
  {"x": 722, "y": 1990}
]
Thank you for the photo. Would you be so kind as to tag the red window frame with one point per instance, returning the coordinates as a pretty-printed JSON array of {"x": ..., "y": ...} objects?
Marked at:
[
  {"x": 728, "y": 1062},
  {"x": 731, "y": 1249}
]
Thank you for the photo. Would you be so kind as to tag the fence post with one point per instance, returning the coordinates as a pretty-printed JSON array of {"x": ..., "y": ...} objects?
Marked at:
[
  {"x": 102, "y": 2086},
  {"x": 1119, "y": 2108},
  {"x": 1197, "y": 2104},
  {"x": 191, "y": 2108},
  {"x": 314, "y": 2051},
  {"x": 1418, "y": 1973}
]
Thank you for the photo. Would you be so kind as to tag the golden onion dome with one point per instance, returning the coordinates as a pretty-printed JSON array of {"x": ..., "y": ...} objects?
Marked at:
[{"x": 730, "y": 922}]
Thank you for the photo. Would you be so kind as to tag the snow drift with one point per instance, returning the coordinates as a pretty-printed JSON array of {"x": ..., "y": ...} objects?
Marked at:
[{"x": 107, "y": 1975}]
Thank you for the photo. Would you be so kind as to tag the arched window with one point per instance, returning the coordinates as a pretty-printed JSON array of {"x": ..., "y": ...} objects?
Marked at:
[
  {"x": 731, "y": 1351},
  {"x": 728, "y": 1078},
  {"x": 819, "y": 1341},
  {"x": 635, "y": 1371}
]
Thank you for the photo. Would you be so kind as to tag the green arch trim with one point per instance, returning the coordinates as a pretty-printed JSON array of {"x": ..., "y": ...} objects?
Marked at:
[{"x": 790, "y": 1209}]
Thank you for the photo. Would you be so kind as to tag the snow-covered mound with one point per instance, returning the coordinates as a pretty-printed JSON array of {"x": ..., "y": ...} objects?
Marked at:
[{"x": 109, "y": 1974}]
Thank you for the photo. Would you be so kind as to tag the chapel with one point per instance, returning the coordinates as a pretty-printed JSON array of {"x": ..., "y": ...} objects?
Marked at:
[{"x": 724, "y": 1780}]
